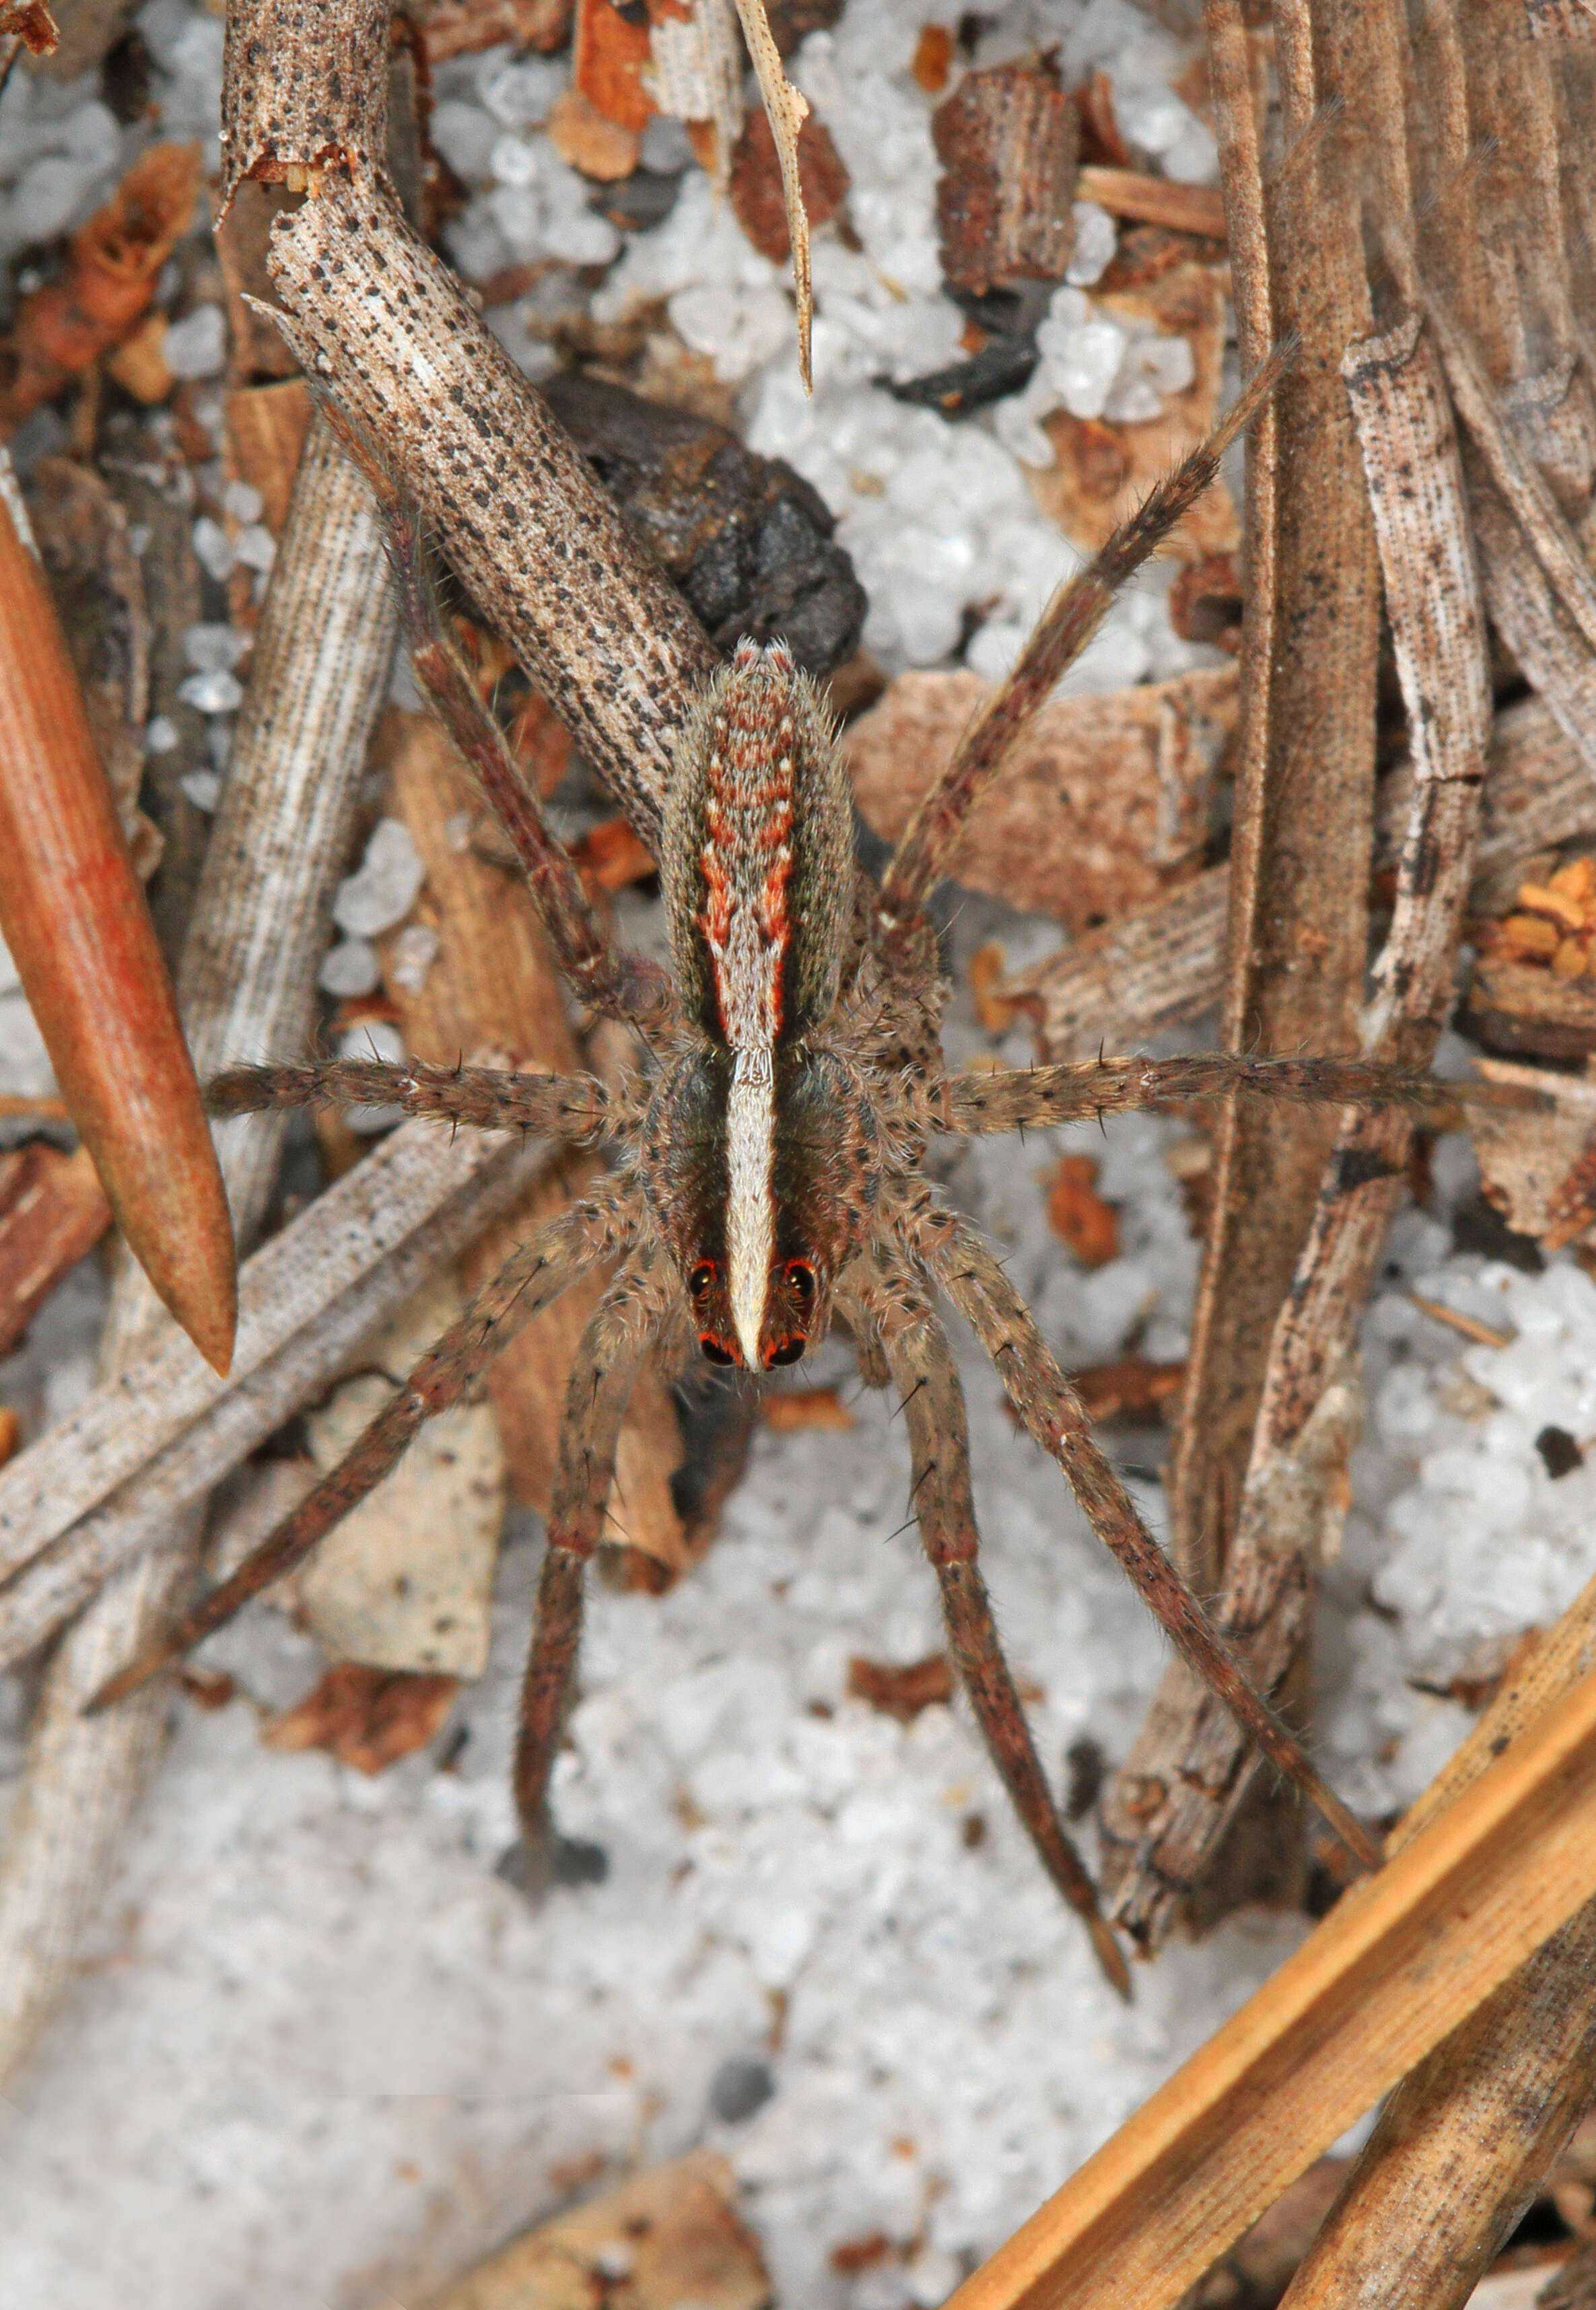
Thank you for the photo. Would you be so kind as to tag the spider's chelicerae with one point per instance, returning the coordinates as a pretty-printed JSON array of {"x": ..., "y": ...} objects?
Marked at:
[{"x": 768, "y": 1166}]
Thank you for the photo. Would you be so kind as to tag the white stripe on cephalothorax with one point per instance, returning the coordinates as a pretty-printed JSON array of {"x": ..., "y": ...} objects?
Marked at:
[{"x": 750, "y": 1207}]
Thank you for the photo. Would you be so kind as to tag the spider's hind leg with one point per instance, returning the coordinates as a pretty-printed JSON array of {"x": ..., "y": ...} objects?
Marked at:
[
  {"x": 624, "y": 1325},
  {"x": 921, "y": 1363},
  {"x": 566, "y": 1107},
  {"x": 549, "y": 1263}
]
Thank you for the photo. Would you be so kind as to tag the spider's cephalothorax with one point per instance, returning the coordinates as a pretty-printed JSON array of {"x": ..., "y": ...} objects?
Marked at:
[
  {"x": 760, "y": 1157},
  {"x": 769, "y": 1167}
]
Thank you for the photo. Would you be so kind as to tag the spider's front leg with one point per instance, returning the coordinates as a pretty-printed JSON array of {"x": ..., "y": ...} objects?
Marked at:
[
  {"x": 566, "y": 1107},
  {"x": 628, "y": 1318},
  {"x": 922, "y": 1368},
  {"x": 970, "y": 1274},
  {"x": 591, "y": 1231}
]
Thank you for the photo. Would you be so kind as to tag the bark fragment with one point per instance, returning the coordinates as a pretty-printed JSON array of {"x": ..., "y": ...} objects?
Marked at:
[{"x": 1006, "y": 140}]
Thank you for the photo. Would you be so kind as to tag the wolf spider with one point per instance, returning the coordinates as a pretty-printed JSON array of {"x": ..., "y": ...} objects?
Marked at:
[{"x": 767, "y": 1168}]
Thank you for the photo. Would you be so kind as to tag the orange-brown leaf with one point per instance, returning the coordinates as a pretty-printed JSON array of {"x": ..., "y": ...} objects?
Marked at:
[
  {"x": 1131, "y": 1387},
  {"x": 610, "y": 856},
  {"x": 111, "y": 270},
  {"x": 901, "y": 1692},
  {"x": 52, "y": 1211},
  {"x": 805, "y": 1407},
  {"x": 367, "y": 1717},
  {"x": 1077, "y": 1212},
  {"x": 610, "y": 56},
  {"x": 73, "y": 913}
]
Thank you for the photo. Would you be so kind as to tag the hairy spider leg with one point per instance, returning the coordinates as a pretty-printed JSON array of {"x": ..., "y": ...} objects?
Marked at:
[
  {"x": 606, "y": 976},
  {"x": 566, "y": 1107},
  {"x": 625, "y": 1322},
  {"x": 1062, "y": 631},
  {"x": 970, "y": 1274},
  {"x": 922, "y": 1366},
  {"x": 592, "y": 1231}
]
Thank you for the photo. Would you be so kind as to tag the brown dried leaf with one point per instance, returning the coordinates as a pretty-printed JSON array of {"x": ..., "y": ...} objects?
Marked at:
[
  {"x": 610, "y": 856},
  {"x": 367, "y": 1717},
  {"x": 796, "y": 1408},
  {"x": 1078, "y": 1214},
  {"x": 756, "y": 183},
  {"x": 1006, "y": 139},
  {"x": 1131, "y": 1387},
  {"x": 1102, "y": 805},
  {"x": 902, "y": 1693}
]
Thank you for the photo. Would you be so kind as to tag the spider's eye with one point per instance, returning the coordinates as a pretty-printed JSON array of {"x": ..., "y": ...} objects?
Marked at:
[
  {"x": 789, "y": 1351},
  {"x": 801, "y": 1283},
  {"x": 701, "y": 1279},
  {"x": 713, "y": 1350}
]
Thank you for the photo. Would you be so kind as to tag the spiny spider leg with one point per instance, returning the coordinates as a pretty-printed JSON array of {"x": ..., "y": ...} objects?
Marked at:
[
  {"x": 549, "y": 1263},
  {"x": 569, "y": 1107},
  {"x": 922, "y": 1368},
  {"x": 606, "y": 977},
  {"x": 970, "y": 1274},
  {"x": 973, "y": 1104},
  {"x": 1066, "y": 625},
  {"x": 622, "y": 1326}
]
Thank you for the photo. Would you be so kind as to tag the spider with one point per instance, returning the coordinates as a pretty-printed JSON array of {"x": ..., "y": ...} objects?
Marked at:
[{"x": 767, "y": 1170}]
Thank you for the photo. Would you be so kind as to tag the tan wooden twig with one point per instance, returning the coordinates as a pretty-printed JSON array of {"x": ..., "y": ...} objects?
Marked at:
[
  {"x": 1403, "y": 1960},
  {"x": 246, "y": 982},
  {"x": 786, "y": 111},
  {"x": 1461, "y": 2147},
  {"x": 1311, "y": 1406}
]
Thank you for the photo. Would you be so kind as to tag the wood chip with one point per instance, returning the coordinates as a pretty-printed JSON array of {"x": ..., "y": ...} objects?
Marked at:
[
  {"x": 1131, "y": 1387},
  {"x": 902, "y": 1693},
  {"x": 1078, "y": 1215},
  {"x": 668, "y": 2239},
  {"x": 1154, "y": 200},
  {"x": 1102, "y": 805},
  {"x": 589, "y": 140},
  {"x": 367, "y": 1717},
  {"x": 609, "y": 64},
  {"x": 52, "y": 1211},
  {"x": 460, "y": 28},
  {"x": 756, "y": 183},
  {"x": 1006, "y": 139},
  {"x": 406, "y": 1580}
]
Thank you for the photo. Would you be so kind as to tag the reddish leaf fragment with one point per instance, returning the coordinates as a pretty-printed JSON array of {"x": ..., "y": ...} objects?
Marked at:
[
  {"x": 111, "y": 270},
  {"x": 52, "y": 1211},
  {"x": 31, "y": 21},
  {"x": 611, "y": 854},
  {"x": 73, "y": 913},
  {"x": 1077, "y": 1212},
  {"x": 1131, "y": 1387},
  {"x": 459, "y": 28},
  {"x": 933, "y": 53},
  {"x": 805, "y": 1407},
  {"x": 367, "y": 1717},
  {"x": 756, "y": 183},
  {"x": 611, "y": 55},
  {"x": 902, "y": 1693}
]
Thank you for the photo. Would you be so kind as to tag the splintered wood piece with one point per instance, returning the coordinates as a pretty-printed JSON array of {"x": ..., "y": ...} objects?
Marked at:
[
  {"x": 406, "y": 1580},
  {"x": 1006, "y": 139},
  {"x": 73, "y": 914},
  {"x": 367, "y": 1717},
  {"x": 1294, "y": 1493},
  {"x": 52, "y": 1209},
  {"x": 1102, "y": 804},
  {"x": 669, "y": 2238},
  {"x": 493, "y": 983},
  {"x": 1154, "y": 200},
  {"x": 1403, "y": 1958},
  {"x": 698, "y": 69},
  {"x": 105, "y": 288},
  {"x": 460, "y": 28}
]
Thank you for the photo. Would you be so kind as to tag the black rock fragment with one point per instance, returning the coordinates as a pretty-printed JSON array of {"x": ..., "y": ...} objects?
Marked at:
[{"x": 747, "y": 540}]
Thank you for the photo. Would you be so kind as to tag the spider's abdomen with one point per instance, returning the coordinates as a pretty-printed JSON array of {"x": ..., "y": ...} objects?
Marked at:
[{"x": 758, "y": 855}]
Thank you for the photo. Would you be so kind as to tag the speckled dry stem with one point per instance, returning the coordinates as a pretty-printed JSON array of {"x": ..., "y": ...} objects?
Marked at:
[
  {"x": 246, "y": 980},
  {"x": 1462, "y": 2145},
  {"x": 1305, "y": 781},
  {"x": 304, "y": 88},
  {"x": 1164, "y": 1818}
]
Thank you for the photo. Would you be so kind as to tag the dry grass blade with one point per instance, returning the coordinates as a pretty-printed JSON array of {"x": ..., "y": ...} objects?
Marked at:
[
  {"x": 1403, "y": 1960},
  {"x": 246, "y": 979},
  {"x": 1304, "y": 780},
  {"x": 786, "y": 111},
  {"x": 73, "y": 915}
]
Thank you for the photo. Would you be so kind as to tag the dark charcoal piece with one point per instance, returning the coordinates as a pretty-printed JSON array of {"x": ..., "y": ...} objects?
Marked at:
[
  {"x": 738, "y": 2088},
  {"x": 637, "y": 202},
  {"x": 1002, "y": 365},
  {"x": 745, "y": 537}
]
